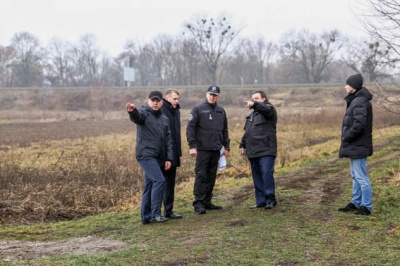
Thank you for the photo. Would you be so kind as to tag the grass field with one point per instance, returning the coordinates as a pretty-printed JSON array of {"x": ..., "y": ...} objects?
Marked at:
[{"x": 70, "y": 191}]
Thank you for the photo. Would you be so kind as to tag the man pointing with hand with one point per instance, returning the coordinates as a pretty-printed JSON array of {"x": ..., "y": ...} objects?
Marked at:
[
  {"x": 259, "y": 144},
  {"x": 153, "y": 152}
]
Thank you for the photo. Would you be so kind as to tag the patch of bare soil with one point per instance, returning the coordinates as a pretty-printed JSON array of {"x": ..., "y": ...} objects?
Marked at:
[
  {"x": 23, "y": 134},
  {"x": 24, "y": 250}
]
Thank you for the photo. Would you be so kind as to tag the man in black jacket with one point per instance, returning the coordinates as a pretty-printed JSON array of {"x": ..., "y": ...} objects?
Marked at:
[
  {"x": 259, "y": 144},
  {"x": 153, "y": 152},
  {"x": 171, "y": 108},
  {"x": 356, "y": 143},
  {"x": 207, "y": 133}
]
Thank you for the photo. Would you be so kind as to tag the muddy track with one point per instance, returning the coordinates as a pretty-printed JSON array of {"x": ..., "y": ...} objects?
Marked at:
[{"x": 322, "y": 181}]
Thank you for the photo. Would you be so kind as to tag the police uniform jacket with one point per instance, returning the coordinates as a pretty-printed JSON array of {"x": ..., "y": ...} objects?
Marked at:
[
  {"x": 259, "y": 138},
  {"x": 207, "y": 127},
  {"x": 356, "y": 141},
  {"x": 153, "y": 135}
]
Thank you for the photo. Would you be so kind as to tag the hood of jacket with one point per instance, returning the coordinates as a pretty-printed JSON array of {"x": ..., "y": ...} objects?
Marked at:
[{"x": 363, "y": 92}]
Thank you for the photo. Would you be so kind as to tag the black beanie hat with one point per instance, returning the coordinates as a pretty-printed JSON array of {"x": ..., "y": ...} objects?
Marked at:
[{"x": 355, "y": 81}]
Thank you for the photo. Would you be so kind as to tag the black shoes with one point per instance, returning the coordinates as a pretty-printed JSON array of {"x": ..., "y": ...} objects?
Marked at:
[
  {"x": 255, "y": 206},
  {"x": 211, "y": 206},
  {"x": 357, "y": 211},
  {"x": 348, "y": 208},
  {"x": 199, "y": 210},
  {"x": 158, "y": 219},
  {"x": 362, "y": 211},
  {"x": 270, "y": 205},
  {"x": 173, "y": 216}
]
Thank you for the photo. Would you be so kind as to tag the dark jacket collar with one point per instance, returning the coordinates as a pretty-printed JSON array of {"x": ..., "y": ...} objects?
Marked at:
[{"x": 169, "y": 106}]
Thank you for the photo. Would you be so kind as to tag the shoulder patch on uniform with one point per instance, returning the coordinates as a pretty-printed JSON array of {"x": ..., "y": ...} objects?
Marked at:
[{"x": 190, "y": 117}]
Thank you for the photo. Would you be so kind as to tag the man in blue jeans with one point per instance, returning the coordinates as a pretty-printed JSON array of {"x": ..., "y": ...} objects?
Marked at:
[
  {"x": 259, "y": 144},
  {"x": 357, "y": 143},
  {"x": 153, "y": 152}
]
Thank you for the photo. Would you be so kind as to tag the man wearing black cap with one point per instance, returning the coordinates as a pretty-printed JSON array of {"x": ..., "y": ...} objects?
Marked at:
[
  {"x": 207, "y": 133},
  {"x": 153, "y": 152},
  {"x": 356, "y": 143}
]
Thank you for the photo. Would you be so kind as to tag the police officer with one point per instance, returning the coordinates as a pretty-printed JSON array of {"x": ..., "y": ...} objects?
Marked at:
[{"x": 207, "y": 133}]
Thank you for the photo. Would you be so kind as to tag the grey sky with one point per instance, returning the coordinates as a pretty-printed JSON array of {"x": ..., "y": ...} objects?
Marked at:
[{"x": 115, "y": 21}]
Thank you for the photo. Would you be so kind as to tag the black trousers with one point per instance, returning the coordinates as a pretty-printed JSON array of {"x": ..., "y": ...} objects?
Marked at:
[
  {"x": 169, "y": 190},
  {"x": 205, "y": 176}
]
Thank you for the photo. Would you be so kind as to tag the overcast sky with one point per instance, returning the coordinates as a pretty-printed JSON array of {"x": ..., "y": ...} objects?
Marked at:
[{"x": 113, "y": 22}]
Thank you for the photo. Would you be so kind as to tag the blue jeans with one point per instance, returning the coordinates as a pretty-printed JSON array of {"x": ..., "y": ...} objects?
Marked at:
[
  {"x": 153, "y": 189},
  {"x": 362, "y": 190},
  {"x": 262, "y": 169}
]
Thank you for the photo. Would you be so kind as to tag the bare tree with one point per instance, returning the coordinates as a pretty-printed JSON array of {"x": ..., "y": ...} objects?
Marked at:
[
  {"x": 90, "y": 55},
  {"x": 369, "y": 58},
  {"x": 311, "y": 53},
  {"x": 144, "y": 62},
  {"x": 382, "y": 21},
  {"x": 213, "y": 37},
  {"x": 87, "y": 65},
  {"x": 190, "y": 63},
  {"x": 27, "y": 65},
  {"x": 6, "y": 59},
  {"x": 163, "y": 65},
  {"x": 58, "y": 60},
  {"x": 76, "y": 68},
  {"x": 250, "y": 61}
]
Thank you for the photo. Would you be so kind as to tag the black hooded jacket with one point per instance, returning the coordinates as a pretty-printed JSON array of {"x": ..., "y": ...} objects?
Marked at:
[
  {"x": 174, "y": 116},
  {"x": 357, "y": 126},
  {"x": 259, "y": 138}
]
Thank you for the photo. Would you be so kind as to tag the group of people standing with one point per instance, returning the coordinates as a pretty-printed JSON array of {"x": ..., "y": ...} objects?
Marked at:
[{"x": 158, "y": 148}]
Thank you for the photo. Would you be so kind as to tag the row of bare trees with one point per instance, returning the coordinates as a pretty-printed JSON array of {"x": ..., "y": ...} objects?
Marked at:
[{"x": 209, "y": 52}]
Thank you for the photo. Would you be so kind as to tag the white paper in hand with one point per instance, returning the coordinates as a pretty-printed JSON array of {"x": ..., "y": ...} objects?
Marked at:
[{"x": 222, "y": 160}]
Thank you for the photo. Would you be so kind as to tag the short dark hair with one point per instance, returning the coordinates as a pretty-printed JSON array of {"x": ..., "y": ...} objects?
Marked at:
[{"x": 263, "y": 95}]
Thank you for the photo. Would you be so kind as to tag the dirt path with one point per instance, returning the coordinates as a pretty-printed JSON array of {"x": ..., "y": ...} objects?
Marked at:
[
  {"x": 321, "y": 182},
  {"x": 24, "y": 250}
]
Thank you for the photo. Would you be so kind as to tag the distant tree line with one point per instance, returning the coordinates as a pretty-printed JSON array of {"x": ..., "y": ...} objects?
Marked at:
[{"x": 210, "y": 51}]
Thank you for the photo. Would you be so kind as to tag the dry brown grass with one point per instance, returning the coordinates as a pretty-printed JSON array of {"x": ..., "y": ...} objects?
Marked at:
[{"x": 68, "y": 171}]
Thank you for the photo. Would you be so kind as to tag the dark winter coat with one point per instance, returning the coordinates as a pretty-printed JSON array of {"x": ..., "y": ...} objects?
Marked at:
[
  {"x": 153, "y": 135},
  {"x": 357, "y": 126},
  {"x": 174, "y": 116},
  {"x": 259, "y": 138},
  {"x": 207, "y": 127}
]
